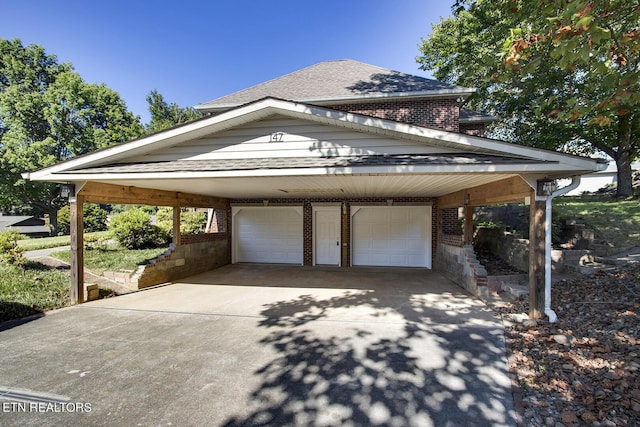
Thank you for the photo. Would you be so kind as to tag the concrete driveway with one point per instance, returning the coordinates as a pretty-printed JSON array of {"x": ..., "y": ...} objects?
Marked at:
[{"x": 264, "y": 345}]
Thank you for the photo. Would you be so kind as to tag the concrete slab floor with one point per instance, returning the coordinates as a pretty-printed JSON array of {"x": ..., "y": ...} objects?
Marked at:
[{"x": 266, "y": 345}]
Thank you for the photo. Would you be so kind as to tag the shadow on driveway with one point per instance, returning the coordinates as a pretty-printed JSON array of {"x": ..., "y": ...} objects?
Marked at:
[
  {"x": 413, "y": 355},
  {"x": 268, "y": 345}
]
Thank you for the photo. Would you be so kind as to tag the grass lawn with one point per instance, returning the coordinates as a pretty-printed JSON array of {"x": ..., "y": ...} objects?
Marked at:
[
  {"x": 32, "y": 289},
  {"x": 53, "y": 242},
  {"x": 615, "y": 221},
  {"x": 112, "y": 258},
  {"x": 36, "y": 288}
]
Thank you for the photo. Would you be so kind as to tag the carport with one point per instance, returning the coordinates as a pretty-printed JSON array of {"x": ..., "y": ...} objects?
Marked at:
[{"x": 307, "y": 185}]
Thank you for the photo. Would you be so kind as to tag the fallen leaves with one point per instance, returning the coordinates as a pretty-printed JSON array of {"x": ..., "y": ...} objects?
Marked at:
[{"x": 582, "y": 370}]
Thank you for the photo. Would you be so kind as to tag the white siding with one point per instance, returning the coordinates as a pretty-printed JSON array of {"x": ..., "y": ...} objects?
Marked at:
[{"x": 284, "y": 137}]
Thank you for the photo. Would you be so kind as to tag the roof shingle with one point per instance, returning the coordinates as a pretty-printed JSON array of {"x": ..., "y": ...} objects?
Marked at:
[
  {"x": 333, "y": 81},
  {"x": 304, "y": 162}
]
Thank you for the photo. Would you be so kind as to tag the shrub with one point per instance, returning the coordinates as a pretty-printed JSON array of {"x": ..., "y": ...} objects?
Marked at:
[
  {"x": 117, "y": 208},
  {"x": 64, "y": 221},
  {"x": 10, "y": 252},
  {"x": 190, "y": 222},
  {"x": 133, "y": 230},
  {"x": 94, "y": 217},
  {"x": 164, "y": 219},
  {"x": 193, "y": 222}
]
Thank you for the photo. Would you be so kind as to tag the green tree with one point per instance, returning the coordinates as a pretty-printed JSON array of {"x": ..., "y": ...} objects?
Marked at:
[
  {"x": 164, "y": 115},
  {"x": 49, "y": 114},
  {"x": 557, "y": 74},
  {"x": 94, "y": 219},
  {"x": 191, "y": 222}
]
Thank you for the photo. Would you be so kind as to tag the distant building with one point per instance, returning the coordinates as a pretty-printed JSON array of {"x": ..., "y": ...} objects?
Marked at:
[{"x": 27, "y": 225}]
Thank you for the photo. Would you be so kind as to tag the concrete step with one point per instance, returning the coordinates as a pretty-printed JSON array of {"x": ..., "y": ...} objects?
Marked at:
[{"x": 515, "y": 289}]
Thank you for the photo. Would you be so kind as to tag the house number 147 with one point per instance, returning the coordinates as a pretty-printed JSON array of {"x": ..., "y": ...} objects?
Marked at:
[{"x": 276, "y": 137}]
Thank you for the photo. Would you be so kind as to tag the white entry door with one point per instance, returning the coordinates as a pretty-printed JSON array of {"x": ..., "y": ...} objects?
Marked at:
[{"x": 326, "y": 230}]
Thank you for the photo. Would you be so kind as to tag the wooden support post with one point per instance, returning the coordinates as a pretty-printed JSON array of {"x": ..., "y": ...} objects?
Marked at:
[
  {"x": 77, "y": 249},
  {"x": 536, "y": 258},
  {"x": 176, "y": 225},
  {"x": 468, "y": 225}
]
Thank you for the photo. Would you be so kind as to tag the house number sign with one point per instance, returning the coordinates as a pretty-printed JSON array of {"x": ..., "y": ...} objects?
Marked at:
[{"x": 276, "y": 137}]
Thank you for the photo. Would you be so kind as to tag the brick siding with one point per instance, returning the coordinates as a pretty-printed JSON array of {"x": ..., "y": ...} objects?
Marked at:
[
  {"x": 451, "y": 221},
  {"x": 187, "y": 239},
  {"x": 440, "y": 113}
]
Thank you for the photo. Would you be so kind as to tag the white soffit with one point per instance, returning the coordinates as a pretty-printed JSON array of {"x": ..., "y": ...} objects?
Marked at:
[{"x": 320, "y": 186}]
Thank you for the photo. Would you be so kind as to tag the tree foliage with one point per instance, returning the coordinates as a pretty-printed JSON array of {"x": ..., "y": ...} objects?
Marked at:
[
  {"x": 94, "y": 219},
  {"x": 49, "y": 114},
  {"x": 191, "y": 222},
  {"x": 557, "y": 74},
  {"x": 165, "y": 115}
]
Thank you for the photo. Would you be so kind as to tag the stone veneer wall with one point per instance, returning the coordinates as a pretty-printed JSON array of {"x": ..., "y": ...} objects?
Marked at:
[
  {"x": 459, "y": 264},
  {"x": 211, "y": 251}
]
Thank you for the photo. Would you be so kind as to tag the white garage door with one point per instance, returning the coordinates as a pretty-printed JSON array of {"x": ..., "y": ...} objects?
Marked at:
[
  {"x": 267, "y": 234},
  {"x": 397, "y": 236}
]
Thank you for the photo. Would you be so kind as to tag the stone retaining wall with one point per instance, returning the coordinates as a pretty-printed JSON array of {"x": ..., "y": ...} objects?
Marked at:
[
  {"x": 511, "y": 249},
  {"x": 515, "y": 251},
  {"x": 459, "y": 264},
  {"x": 186, "y": 260}
]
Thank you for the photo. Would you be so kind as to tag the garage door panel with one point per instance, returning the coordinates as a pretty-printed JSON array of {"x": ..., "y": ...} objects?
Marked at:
[
  {"x": 268, "y": 235},
  {"x": 392, "y": 236}
]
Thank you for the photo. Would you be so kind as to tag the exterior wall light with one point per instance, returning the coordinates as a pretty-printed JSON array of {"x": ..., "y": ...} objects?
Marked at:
[
  {"x": 546, "y": 187},
  {"x": 67, "y": 191}
]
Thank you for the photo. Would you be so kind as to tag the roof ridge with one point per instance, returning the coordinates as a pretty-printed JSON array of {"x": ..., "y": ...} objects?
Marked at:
[
  {"x": 270, "y": 80},
  {"x": 337, "y": 80}
]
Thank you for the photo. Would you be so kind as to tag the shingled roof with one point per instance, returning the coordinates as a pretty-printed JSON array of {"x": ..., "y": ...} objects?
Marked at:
[
  {"x": 449, "y": 159},
  {"x": 470, "y": 116},
  {"x": 338, "y": 81}
]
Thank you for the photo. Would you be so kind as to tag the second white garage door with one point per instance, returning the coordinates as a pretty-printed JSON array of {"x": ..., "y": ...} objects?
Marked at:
[
  {"x": 398, "y": 236},
  {"x": 267, "y": 234}
]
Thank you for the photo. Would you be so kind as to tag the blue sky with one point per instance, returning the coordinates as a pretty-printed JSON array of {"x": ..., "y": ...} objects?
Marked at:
[{"x": 195, "y": 51}]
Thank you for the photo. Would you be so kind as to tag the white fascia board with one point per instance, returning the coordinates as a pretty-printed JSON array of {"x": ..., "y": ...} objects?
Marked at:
[{"x": 360, "y": 170}]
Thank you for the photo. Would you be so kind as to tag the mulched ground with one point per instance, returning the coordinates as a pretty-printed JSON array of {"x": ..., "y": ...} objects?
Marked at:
[{"x": 584, "y": 369}]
